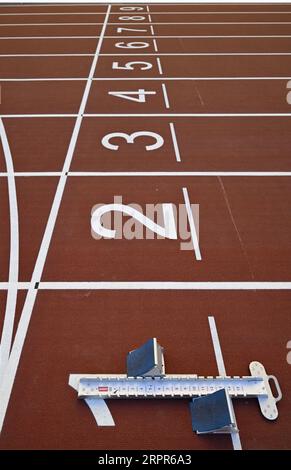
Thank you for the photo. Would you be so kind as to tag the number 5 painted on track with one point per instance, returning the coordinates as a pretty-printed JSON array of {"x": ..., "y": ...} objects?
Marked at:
[
  {"x": 130, "y": 138},
  {"x": 130, "y": 65},
  {"x": 168, "y": 231}
]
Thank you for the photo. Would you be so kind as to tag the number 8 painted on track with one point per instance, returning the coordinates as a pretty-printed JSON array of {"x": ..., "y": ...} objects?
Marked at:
[
  {"x": 130, "y": 138},
  {"x": 131, "y": 18}
]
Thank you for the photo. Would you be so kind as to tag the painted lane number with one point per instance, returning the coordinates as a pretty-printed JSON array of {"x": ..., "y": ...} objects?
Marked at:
[{"x": 130, "y": 138}]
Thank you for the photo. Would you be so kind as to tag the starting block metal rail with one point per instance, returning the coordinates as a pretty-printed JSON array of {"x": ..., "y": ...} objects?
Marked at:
[{"x": 155, "y": 384}]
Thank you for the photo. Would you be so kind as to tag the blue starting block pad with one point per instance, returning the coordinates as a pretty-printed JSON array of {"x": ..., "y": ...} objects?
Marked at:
[
  {"x": 213, "y": 413},
  {"x": 146, "y": 361}
]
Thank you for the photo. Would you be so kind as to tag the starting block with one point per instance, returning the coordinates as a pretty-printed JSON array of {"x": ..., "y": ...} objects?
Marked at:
[{"x": 210, "y": 406}]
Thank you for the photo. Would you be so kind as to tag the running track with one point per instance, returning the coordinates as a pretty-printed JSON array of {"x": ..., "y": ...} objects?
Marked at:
[{"x": 219, "y": 78}]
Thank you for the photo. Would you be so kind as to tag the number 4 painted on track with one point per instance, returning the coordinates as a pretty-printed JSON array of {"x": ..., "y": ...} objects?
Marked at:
[{"x": 128, "y": 95}]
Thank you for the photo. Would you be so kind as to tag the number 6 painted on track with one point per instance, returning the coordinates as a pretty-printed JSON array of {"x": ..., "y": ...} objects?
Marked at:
[
  {"x": 130, "y": 138},
  {"x": 132, "y": 45}
]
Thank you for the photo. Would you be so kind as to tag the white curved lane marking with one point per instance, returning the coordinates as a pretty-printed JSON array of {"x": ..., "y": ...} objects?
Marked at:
[{"x": 7, "y": 330}]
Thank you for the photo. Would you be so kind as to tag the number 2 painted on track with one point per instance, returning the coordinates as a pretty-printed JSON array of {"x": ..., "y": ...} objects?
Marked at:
[
  {"x": 168, "y": 231},
  {"x": 128, "y": 95},
  {"x": 130, "y": 138}
]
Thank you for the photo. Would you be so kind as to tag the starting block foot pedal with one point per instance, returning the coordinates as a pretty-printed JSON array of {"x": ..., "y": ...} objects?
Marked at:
[
  {"x": 146, "y": 361},
  {"x": 213, "y": 414}
]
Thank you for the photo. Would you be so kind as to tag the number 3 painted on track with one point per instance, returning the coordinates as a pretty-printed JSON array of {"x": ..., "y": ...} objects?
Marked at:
[{"x": 130, "y": 138}]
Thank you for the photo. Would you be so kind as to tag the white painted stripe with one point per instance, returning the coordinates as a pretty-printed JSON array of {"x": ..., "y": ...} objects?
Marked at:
[
  {"x": 150, "y": 18},
  {"x": 159, "y": 67},
  {"x": 19, "y": 285},
  {"x": 42, "y": 79},
  {"x": 166, "y": 99},
  {"x": 155, "y": 45},
  {"x": 167, "y": 285},
  {"x": 283, "y": 12},
  {"x": 152, "y": 30},
  {"x": 200, "y": 54},
  {"x": 47, "y": 24},
  {"x": 202, "y": 22},
  {"x": 7, "y": 330},
  {"x": 142, "y": 78},
  {"x": 156, "y": 285},
  {"x": 177, "y": 78},
  {"x": 46, "y": 37},
  {"x": 205, "y": 115},
  {"x": 48, "y": 55},
  {"x": 34, "y": 173},
  {"x": 221, "y": 370},
  {"x": 7, "y": 383},
  {"x": 175, "y": 143},
  {"x": 208, "y": 36},
  {"x": 37, "y": 115},
  {"x": 216, "y": 346},
  {"x": 269, "y": 174},
  {"x": 193, "y": 231},
  {"x": 51, "y": 13}
]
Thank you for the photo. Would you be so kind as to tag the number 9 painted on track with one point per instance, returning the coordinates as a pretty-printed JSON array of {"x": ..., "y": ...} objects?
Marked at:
[
  {"x": 130, "y": 138},
  {"x": 130, "y": 8}
]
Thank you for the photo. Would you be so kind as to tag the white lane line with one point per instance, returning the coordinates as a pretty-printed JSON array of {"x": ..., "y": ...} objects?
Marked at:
[
  {"x": 202, "y": 115},
  {"x": 152, "y": 30},
  {"x": 155, "y": 45},
  {"x": 166, "y": 99},
  {"x": 153, "y": 12},
  {"x": 142, "y": 78},
  {"x": 150, "y": 18},
  {"x": 207, "y": 115},
  {"x": 173, "y": 78},
  {"x": 273, "y": 36},
  {"x": 7, "y": 330},
  {"x": 221, "y": 370},
  {"x": 47, "y": 24},
  {"x": 49, "y": 13},
  {"x": 200, "y": 54},
  {"x": 156, "y": 285},
  {"x": 61, "y": 79},
  {"x": 208, "y": 36},
  {"x": 159, "y": 67},
  {"x": 269, "y": 174},
  {"x": 206, "y": 23},
  {"x": 46, "y": 55},
  {"x": 6, "y": 116},
  {"x": 165, "y": 285},
  {"x": 47, "y": 37},
  {"x": 34, "y": 173},
  {"x": 7, "y": 383},
  {"x": 19, "y": 285},
  {"x": 175, "y": 143},
  {"x": 193, "y": 231}
]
